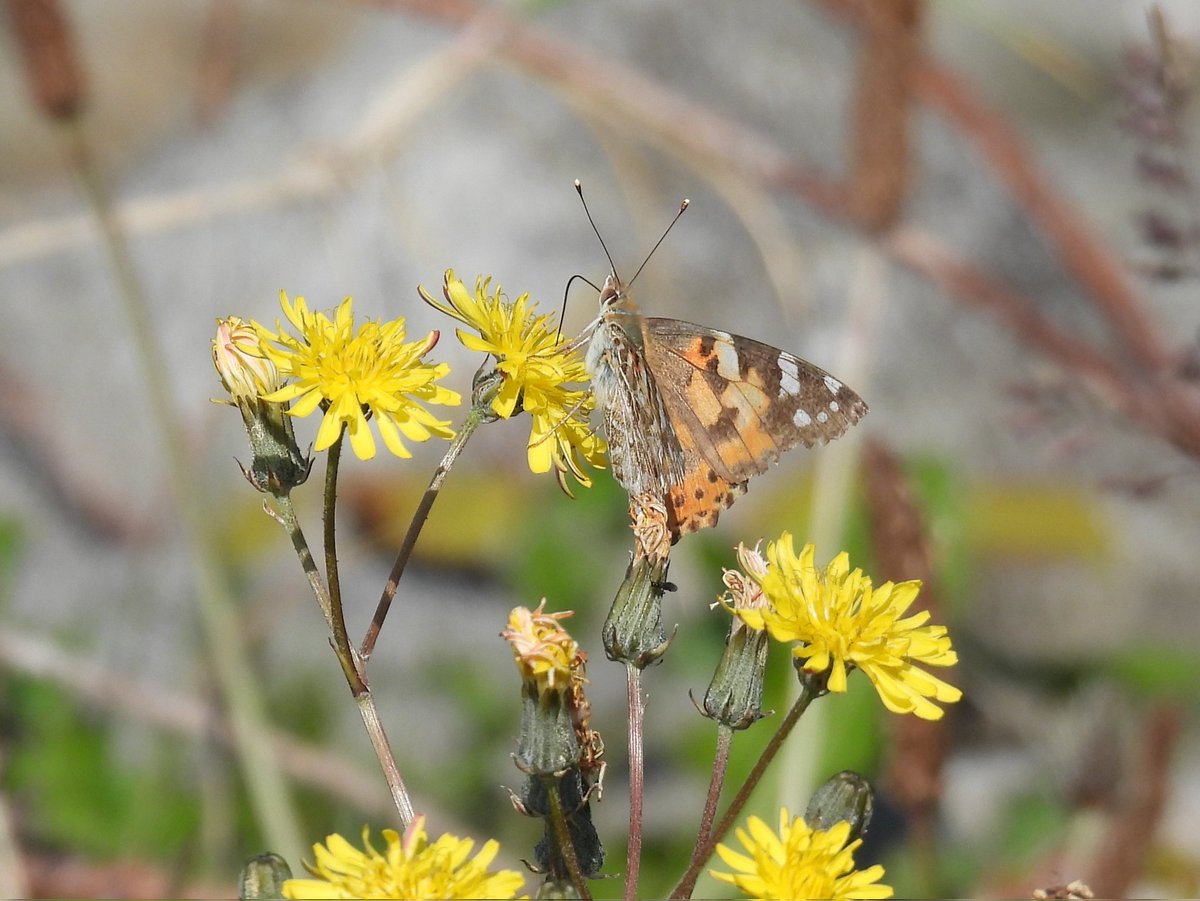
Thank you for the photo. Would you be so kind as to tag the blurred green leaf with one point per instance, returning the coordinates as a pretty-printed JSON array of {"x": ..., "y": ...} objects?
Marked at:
[
  {"x": 11, "y": 542},
  {"x": 75, "y": 795},
  {"x": 1156, "y": 670},
  {"x": 1032, "y": 825}
]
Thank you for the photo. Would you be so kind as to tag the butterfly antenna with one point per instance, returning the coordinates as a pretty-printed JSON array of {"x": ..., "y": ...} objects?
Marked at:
[
  {"x": 683, "y": 206},
  {"x": 579, "y": 191},
  {"x": 562, "y": 313}
]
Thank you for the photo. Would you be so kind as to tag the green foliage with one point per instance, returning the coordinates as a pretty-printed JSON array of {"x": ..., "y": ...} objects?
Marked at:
[
  {"x": 1157, "y": 671},
  {"x": 1032, "y": 824},
  {"x": 73, "y": 791}
]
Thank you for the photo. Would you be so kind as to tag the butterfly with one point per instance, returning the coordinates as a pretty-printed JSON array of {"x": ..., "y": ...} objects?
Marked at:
[{"x": 692, "y": 413}]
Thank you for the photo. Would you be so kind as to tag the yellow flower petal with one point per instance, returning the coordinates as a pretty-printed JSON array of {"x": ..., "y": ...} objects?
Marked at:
[
  {"x": 839, "y": 621},
  {"x": 410, "y": 867},
  {"x": 798, "y": 863},
  {"x": 540, "y": 376},
  {"x": 332, "y": 365}
]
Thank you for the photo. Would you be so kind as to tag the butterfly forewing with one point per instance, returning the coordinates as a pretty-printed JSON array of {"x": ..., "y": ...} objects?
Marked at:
[
  {"x": 691, "y": 413},
  {"x": 754, "y": 400}
]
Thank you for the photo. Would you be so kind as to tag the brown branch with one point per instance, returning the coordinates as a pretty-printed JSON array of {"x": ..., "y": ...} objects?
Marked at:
[
  {"x": 662, "y": 117},
  {"x": 1084, "y": 254},
  {"x": 925, "y": 254},
  {"x": 1121, "y": 856},
  {"x": 880, "y": 146},
  {"x": 30, "y": 435},
  {"x": 917, "y": 753}
]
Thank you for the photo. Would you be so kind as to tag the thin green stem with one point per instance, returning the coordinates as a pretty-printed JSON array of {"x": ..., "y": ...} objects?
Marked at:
[
  {"x": 562, "y": 835},
  {"x": 355, "y": 674},
  {"x": 637, "y": 777},
  {"x": 287, "y": 518},
  {"x": 350, "y": 664},
  {"x": 481, "y": 411},
  {"x": 715, "y": 784},
  {"x": 685, "y": 885},
  {"x": 235, "y": 677}
]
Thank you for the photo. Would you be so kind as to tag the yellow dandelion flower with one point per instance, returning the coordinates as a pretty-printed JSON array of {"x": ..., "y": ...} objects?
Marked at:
[
  {"x": 410, "y": 867},
  {"x": 537, "y": 370},
  {"x": 545, "y": 652},
  {"x": 799, "y": 863},
  {"x": 351, "y": 374},
  {"x": 839, "y": 621}
]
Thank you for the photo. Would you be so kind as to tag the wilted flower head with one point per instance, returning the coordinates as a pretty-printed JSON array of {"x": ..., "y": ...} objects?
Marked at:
[
  {"x": 744, "y": 590},
  {"x": 408, "y": 868},
  {"x": 799, "y": 863},
  {"x": 839, "y": 621},
  {"x": 352, "y": 374},
  {"x": 545, "y": 652},
  {"x": 537, "y": 370}
]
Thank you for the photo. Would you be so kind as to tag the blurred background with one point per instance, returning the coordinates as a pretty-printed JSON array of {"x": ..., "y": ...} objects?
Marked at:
[{"x": 984, "y": 217}]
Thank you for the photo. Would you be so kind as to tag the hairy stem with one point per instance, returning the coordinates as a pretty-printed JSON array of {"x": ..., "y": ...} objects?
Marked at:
[
  {"x": 562, "y": 835},
  {"x": 355, "y": 674},
  {"x": 387, "y": 760}
]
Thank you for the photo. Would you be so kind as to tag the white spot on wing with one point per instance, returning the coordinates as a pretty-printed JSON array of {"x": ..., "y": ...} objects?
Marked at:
[
  {"x": 833, "y": 406},
  {"x": 832, "y": 384},
  {"x": 801, "y": 419},
  {"x": 822, "y": 417},
  {"x": 789, "y": 376}
]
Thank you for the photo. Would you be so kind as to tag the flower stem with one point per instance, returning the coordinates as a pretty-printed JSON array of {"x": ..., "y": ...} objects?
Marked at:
[
  {"x": 235, "y": 677},
  {"x": 688, "y": 882},
  {"x": 352, "y": 666},
  {"x": 562, "y": 834},
  {"x": 637, "y": 777},
  {"x": 720, "y": 768},
  {"x": 387, "y": 760},
  {"x": 480, "y": 413},
  {"x": 288, "y": 519},
  {"x": 355, "y": 678}
]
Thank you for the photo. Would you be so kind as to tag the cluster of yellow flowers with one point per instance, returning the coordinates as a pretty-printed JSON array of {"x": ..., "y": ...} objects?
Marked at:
[
  {"x": 354, "y": 375},
  {"x": 797, "y": 862},
  {"x": 835, "y": 618}
]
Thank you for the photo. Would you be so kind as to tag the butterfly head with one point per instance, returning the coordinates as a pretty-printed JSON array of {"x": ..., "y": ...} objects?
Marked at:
[{"x": 614, "y": 297}]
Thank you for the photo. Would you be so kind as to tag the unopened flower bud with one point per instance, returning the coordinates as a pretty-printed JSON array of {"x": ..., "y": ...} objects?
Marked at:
[
  {"x": 278, "y": 464},
  {"x": 734, "y": 697},
  {"x": 633, "y": 632},
  {"x": 263, "y": 877},
  {"x": 245, "y": 374},
  {"x": 846, "y": 797}
]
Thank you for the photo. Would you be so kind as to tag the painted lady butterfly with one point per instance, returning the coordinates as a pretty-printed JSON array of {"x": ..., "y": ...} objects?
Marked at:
[{"x": 691, "y": 413}]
